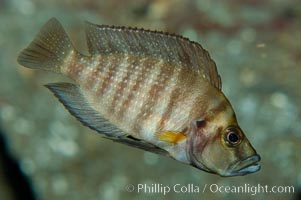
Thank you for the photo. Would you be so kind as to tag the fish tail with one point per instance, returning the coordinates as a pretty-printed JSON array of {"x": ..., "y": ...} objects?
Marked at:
[{"x": 49, "y": 48}]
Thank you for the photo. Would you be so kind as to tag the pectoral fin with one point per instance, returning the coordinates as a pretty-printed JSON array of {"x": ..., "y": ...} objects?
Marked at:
[
  {"x": 74, "y": 101},
  {"x": 171, "y": 137},
  {"x": 71, "y": 97}
]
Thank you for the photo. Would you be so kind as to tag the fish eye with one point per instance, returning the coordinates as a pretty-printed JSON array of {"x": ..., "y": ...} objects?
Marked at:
[{"x": 232, "y": 136}]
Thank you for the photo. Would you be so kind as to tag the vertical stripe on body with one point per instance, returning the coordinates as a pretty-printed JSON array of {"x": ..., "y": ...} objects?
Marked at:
[
  {"x": 168, "y": 111},
  {"x": 221, "y": 112},
  {"x": 71, "y": 67},
  {"x": 144, "y": 77},
  {"x": 129, "y": 85},
  {"x": 152, "y": 91},
  {"x": 177, "y": 107},
  {"x": 111, "y": 90}
]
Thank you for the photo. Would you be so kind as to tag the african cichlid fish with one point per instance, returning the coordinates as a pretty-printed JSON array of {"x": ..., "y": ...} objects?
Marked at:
[{"x": 151, "y": 90}]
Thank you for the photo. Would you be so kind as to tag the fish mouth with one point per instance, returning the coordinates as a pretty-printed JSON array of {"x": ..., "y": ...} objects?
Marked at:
[{"x": 246, "y": 166}]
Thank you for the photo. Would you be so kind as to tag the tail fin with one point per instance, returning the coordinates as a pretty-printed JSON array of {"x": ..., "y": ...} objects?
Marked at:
[{"x": 49, "y": 48}]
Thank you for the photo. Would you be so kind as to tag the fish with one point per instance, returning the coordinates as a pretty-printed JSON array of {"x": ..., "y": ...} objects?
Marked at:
[{"x": 151, "y": 90}]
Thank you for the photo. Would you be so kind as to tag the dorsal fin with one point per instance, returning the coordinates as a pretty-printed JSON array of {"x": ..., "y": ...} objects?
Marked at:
[{"x": 175, "y": 49}]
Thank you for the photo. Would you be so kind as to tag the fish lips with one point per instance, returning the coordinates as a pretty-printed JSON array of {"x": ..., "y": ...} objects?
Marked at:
[{"x": 246, "y": 166}]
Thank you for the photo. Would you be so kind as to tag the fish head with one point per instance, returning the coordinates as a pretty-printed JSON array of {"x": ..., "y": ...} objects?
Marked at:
[{"x": 222, "y": 150}]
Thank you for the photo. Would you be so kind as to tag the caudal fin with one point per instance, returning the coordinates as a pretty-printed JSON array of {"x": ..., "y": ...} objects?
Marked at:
[{"x": 49, "y": 48}]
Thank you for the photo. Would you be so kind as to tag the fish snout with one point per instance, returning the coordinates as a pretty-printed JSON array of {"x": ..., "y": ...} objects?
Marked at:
[{"x": 243, "y": 167}]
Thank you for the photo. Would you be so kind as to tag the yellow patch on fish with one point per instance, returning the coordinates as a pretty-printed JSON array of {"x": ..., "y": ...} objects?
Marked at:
[{"x": 171, "y": 137}]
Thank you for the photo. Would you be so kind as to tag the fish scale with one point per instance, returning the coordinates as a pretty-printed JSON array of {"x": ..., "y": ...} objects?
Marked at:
[
  {"x": 151, "y": 90},
  {"x": 109, "y": 86},
  {"x": 141, "y": 109},
  {"x": 138, "y": 99}
]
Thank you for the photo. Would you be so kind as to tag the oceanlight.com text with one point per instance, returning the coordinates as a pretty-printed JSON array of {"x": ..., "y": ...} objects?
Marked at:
[
  {"x": 249, "y": 189},
  {"x": 158, "y": 188}
]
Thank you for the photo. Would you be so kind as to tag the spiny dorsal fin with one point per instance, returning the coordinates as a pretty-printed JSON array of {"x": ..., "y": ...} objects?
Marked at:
[{"x": 174, "y": 49}]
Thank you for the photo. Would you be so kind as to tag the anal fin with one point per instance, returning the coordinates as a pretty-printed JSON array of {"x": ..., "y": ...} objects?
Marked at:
[{"x": 140, "y": 144}]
